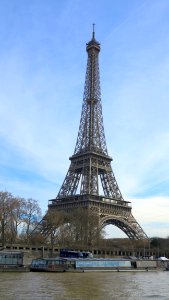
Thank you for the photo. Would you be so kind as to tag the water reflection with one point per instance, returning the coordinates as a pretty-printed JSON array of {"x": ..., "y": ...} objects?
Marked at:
[{"x": 90, "y": 286}]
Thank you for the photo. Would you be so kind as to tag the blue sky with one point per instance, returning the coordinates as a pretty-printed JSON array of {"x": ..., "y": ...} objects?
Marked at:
[{"x": 42, "y": 72}]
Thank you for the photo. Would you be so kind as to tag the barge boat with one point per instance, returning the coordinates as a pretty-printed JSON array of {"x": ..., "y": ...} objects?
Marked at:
[
  {"x": 90, "y": 264},
  {"x": 79, "y": 261}
]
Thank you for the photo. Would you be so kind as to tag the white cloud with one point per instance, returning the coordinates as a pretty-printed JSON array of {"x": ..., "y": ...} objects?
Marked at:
[
  {"x": 152, "y": 209},
  {"x": 153, "y": 214}
]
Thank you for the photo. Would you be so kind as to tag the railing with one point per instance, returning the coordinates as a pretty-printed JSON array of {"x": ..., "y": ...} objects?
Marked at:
[{"x": 89, "y": 198}]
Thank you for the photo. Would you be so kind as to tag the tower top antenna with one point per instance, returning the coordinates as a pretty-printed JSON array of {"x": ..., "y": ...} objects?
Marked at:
[{"x": 93, "y": 30}]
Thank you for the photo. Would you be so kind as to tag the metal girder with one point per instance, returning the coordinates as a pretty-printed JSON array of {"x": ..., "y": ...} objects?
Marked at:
[{"x": 128, "y": 225}]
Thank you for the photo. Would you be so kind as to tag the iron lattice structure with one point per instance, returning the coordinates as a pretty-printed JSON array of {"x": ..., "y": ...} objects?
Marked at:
[{"x": 90, "y": 166}]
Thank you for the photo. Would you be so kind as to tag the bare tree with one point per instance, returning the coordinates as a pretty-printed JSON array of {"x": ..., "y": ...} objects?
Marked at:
[
  {"x": 5, "y": 215},
  {"x": 31, "y": 216},
  {"x": 54, "y": 221},
  {"x": 16, "y": 214}
]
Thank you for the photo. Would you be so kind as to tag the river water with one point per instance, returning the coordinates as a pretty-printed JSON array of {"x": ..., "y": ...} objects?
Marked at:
[{"x": 87, "y": 286}]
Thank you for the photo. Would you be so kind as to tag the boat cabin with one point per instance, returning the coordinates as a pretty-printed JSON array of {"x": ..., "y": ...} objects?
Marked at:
[{"x": 11, "y": 258}]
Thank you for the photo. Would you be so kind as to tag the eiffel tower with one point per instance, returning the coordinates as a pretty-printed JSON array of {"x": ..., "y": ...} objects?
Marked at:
[{"x": 90, "y": 165}]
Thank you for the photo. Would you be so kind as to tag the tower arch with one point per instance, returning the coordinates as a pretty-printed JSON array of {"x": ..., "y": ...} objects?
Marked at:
[{"x": 129, "y": 227}]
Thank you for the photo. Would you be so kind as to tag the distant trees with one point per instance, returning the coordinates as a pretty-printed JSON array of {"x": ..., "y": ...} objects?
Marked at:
[
  {"x": 18, "y": 216},
  {"x": 160, "y": 243},
  {"x": 79, "y": 227},
  {"x": 84, "y": 227}
]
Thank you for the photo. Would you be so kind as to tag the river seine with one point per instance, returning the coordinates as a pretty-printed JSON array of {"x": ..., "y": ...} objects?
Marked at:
[{"x": 91, "y": 285}]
